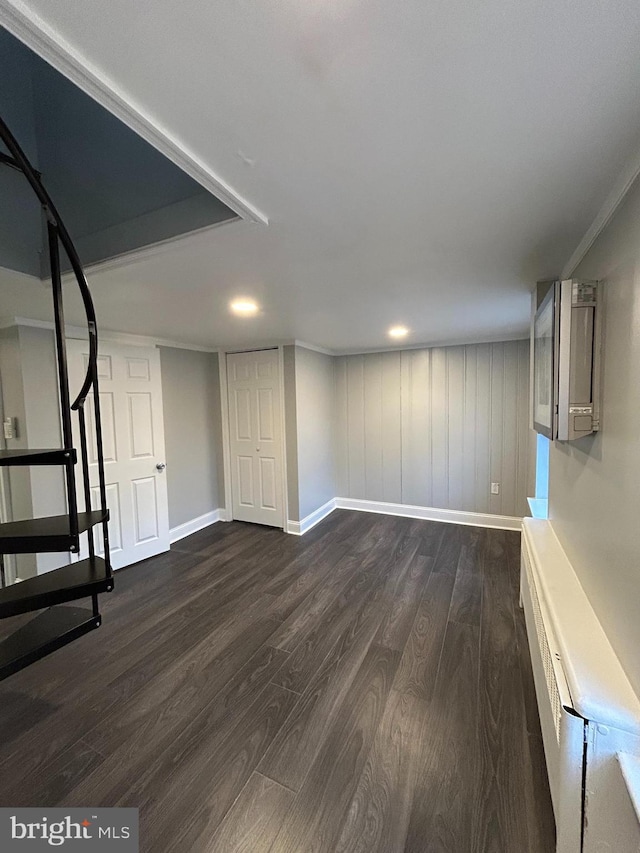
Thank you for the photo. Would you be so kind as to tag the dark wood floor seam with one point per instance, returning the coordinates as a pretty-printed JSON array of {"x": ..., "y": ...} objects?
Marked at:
[
  {"x": 448, "y": 614},
  {"x": 288, "y": 689},
  {"x": 275, "y": 781},
  {"x": 89, "y": 746},
  {"x": 84, "y": 742}
]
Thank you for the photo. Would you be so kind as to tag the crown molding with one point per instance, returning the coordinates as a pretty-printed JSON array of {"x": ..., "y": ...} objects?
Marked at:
[
  {"x": 620, "y": 188},
  {"x": 270, "y": 344},
  {"x": 32, "y": 279},
  {"x": 81, "y": 333},
  {"x": 32, "y": 30},
  {"x": 7, "y": 321},
  {"x": 313, "y": 347},
  {"x": 149, "y": 340},
  {"x": 500, "y": 339}
]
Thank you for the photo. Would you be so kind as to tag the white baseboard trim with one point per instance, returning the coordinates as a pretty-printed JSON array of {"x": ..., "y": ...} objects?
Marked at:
[
  {"x": 450, "y": 516},
  {"x": 189, "y": 527},
  {"x": 299, "y": 528}
]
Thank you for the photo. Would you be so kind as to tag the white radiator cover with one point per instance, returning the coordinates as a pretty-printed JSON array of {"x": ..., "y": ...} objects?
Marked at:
[{"x": 589, "y": 714}]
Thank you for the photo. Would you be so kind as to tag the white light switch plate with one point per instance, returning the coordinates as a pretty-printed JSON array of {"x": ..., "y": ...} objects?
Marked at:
[{"x": 9, "y": 428}]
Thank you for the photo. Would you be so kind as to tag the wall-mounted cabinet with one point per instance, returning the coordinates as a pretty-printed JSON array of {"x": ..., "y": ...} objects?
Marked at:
[{"x": 566, "y": 360}]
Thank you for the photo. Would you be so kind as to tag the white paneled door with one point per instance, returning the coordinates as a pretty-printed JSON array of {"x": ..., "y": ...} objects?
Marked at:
[
  {"x": 133, "y": 446},
  {"x": 255, "y": 436}
]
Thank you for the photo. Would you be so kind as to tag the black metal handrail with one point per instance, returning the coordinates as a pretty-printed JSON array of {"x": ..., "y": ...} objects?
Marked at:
[
  {"x": 57, "y": 231},
  {"x": 9, "y": 161},
  {"x": 53, "y": 217}
]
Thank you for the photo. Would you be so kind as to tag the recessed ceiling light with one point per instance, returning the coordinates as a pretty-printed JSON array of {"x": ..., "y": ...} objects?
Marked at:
[
  {"x": 398, "y": 332},
  {"x": 244, "y": 307}
]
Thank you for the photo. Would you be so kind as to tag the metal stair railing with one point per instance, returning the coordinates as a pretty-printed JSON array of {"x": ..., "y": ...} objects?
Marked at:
[{"x": 57, "y": 234}]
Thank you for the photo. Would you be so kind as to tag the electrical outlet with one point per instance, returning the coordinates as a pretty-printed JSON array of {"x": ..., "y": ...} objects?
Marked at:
[{"x": 495, "y": 488}]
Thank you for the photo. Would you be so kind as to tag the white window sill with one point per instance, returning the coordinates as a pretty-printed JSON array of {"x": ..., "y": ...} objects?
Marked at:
[{"x": 539, "y": 507}]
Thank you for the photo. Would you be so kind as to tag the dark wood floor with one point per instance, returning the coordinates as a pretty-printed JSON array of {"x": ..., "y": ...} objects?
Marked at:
[{"x": 363, "y": 688}]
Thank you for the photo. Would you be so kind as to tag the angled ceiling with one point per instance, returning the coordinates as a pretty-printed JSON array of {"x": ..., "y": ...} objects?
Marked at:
[
  {"x": 114, "y": 191},
  {"x": 419, "y": 163}
]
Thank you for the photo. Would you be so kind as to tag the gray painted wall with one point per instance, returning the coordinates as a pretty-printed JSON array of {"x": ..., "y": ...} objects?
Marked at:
[
  {"x": 434, "y": 427},
  {"x": 181, "y": 217},
  {"x": 315, "y": 425},
  {"x": 594, "y": 483},
  {"x": 191, "y": 400},
  {"x": 20, "y": 220},
  {"x": 13, "y": 406},
  {"x": 114, "y": 191},
  {"x": 29, "y": 391},
  {"x": 309, "y": 404},
  {"x": 291, "y": 431},
  {"x": 192, "y": 420},
  {"x": 43, "y": 428}
]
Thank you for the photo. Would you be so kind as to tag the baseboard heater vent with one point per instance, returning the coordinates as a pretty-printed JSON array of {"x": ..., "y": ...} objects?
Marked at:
[
  {"x": 588, "y": 711},
  {"x": 543, "y": 647}
]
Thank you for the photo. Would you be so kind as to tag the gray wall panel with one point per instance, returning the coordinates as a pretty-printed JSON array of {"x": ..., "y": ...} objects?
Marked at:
[
  {"x": 391, "y": 428},
  {"x": 470, "y": 404},
  {"x": 356, "y": 433},
  {"x": 373, "y": 434},
  {"x": 415, "y": 414},
  {"x": 496, "y": 428},
  {"x": 434, "y": 427},
  {"x": 483, "y": 427},
  {"x": 510, "y": 426},
  {"x": 439, "y": 393},
  {"x": 455, "y": 396},
  {"x": 340, "y": 427}
]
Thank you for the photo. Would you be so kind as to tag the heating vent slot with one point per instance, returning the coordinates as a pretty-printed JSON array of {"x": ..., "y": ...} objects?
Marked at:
[{"x": 545, "y": 651}]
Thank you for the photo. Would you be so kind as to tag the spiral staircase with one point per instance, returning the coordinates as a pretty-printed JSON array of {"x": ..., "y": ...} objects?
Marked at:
[{"x": 57, "y": 624}]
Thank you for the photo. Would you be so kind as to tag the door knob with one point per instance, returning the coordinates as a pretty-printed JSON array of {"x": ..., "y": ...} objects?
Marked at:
[{"x": 161, "y": 466}]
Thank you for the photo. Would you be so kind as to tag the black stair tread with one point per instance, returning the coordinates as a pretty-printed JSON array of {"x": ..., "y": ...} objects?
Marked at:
[
  {"x": 50, "y": 525},
  {"x": 34, "y": 535},
  {"x": 40, "y": 456},
  {"x": 44, "y": 634},
  {"x": 77, "y": 580}
]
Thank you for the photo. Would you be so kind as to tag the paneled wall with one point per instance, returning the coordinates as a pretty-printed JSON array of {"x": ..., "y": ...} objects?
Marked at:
[{"x": 435, "y": 427}]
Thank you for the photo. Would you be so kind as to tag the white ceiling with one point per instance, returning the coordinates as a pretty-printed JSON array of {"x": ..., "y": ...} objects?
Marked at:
[{"x": 420, "y": 162}]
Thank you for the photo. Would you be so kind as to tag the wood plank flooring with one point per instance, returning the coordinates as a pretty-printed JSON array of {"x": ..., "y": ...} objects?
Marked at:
[{"x": 366, "y": 687}]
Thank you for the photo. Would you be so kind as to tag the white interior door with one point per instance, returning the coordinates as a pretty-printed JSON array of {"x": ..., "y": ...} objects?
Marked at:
[
  {"x": 133, "y": 447},
  {"x": 255, "y": 437}
]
